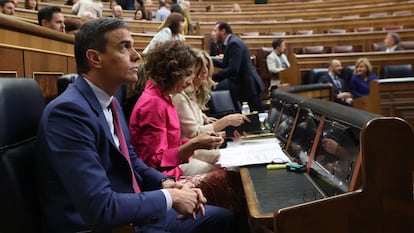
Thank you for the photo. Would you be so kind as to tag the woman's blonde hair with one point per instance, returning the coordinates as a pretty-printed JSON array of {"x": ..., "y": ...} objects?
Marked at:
[
  {"x": 201, "y": 95},
  {"x": 367, "y": 64}
]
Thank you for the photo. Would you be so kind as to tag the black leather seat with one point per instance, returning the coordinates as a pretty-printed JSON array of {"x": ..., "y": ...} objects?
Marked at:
[
  {"x": 397, "y": 71},
  {"x": 220, "y": 104},
  {"x": 64, "y": 81},
  {"x": 314, "y": 74},
  {"x": 21, "y": 106}
]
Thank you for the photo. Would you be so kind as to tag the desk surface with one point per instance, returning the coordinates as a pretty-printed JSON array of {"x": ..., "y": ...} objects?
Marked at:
[{"x": 269, "y": 190}]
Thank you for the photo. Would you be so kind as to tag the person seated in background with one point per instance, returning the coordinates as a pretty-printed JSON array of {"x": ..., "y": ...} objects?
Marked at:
[
  {"x": 176, "y": 8},
  {"x": 341, "y": 92},
  {"x": 51, "y": 17},
  {"x": 163, "y": 12},
  {"x": 172, "y": 30},
  {"x": 392, "y": 41},
  {"x": 87, "y": 16},
  {"x": 186, "y": 11},
  {"x": 359, "y": 83},
  {"x": 236, "y": 8},
  {"x": 30, "y": 4},
  {"x": 210, "y": 8},
  {"x": 276, "y": 62},
  {"x": 7, "y": 7},
  {"x": 89, "y": 177},
  {"x": 118, "y": 12},
  {"x": 140, "y": 14},
  {"x": 112, "y": 3},
  {"x": 93, "y": 6},
  {"x": 190, "y": 105}
]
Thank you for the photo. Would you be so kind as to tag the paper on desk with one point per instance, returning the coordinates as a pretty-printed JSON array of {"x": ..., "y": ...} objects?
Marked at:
[{"x": 248, "y": 152}]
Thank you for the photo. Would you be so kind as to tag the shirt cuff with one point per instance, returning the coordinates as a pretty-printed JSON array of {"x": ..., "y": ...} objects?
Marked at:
[{"x": 168, "y": 198}]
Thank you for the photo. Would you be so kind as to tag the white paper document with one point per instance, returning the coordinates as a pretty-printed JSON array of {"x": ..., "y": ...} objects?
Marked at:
[{"x": 255, "y": 151}]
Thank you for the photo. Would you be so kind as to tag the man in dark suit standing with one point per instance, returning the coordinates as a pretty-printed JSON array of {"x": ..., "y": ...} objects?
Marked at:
[
  {"x": 341, "y": 93},
  {"x": 89, "y": 177},
  {"x": 244, "y": 82},
  {"x": 392, "y": 41}
]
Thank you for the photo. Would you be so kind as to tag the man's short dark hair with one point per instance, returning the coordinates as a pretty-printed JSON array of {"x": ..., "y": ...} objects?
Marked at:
[
  {"x": 47, "y": 13},
  {"x": 92, "y": 35},
  {"x": 277, "y": 42},
  {"x": 395, "y": 37},
  {"x": 225, "y": 26},
  {"x": 3, "y": 2}
]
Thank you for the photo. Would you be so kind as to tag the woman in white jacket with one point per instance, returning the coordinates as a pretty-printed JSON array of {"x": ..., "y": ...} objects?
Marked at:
[
  {"x": 93, "y": 6},
  {"x": 172, "y": 30}
]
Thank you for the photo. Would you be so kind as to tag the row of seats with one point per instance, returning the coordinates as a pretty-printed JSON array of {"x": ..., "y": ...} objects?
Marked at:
[
  {"x": 349, "y": 48},
  {"x": 391, "y": 71},
  {"x": 329, "y": 31}
]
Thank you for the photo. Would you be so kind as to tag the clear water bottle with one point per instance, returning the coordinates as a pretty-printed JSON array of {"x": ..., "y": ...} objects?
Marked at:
[{"x": 245, "y": 108}]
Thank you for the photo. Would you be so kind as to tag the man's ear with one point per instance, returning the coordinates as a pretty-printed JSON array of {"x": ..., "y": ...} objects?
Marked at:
[
  {"x": 94, "y": 58},
  {"x": 44, "y": 22}
]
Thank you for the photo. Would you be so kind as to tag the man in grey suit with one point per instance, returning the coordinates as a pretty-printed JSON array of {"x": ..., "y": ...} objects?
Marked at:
[{"x": 244, "y": 82}]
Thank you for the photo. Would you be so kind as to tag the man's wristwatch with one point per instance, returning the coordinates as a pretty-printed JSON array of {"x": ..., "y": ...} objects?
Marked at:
[{"x": 167, "y": 178}]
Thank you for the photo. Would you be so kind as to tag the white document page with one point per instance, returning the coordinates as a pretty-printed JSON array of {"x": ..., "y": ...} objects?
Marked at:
[{"x": 255, "y": 151}]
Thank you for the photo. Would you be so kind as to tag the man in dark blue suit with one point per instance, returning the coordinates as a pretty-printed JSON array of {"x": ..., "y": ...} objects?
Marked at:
[
  {"x": 244, "y": 82},
  {"x": 89, "y": 177},
  {"x": 342, "y": 95}
]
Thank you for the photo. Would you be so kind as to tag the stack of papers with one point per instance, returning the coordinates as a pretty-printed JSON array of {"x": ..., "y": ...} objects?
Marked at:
[{"x": 249, "y": 152}]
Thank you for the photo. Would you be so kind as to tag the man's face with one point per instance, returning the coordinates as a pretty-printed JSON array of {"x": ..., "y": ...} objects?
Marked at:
[
  {"x": 57, "y": 22},
  {"x": 281, "y": 48},
  {"x": 389, "y": 42},
  {"x": 8, "y": 8},
  {"x": 118, "y": 64},
  {"x": 336, "y": 67},
  {"x": 219, "y": 34},
  {"x": 118, "y": 12}
]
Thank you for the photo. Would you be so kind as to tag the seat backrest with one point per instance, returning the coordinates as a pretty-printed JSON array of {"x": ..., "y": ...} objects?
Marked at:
[
  {"x": 407, "y": 45},
  {"x": 264, "y": 73},
  {"x": 64, "y": 81},
  {"x": 392, "y": 27},
  {"x": 21, "y": 106},
  {"x": 342, "y": 49},
  {"x": 313, "y": 49},
  {"x": 277, "y": 33},
  {"x": 221, "y": 103},
  {"x": 315, "y": 73},
  {"x": 377, "y": 46},
  {"x": 397, "y": 71},
  {"x": 363, "y": 29},
  {"x": 304, "y": 32},
  {"x": 335, "y": 30}
]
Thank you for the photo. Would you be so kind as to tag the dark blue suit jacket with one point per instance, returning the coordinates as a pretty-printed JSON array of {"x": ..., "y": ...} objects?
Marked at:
[
  {"x": 326, "y": 78},
  {"x": 244, "y": 81},
  {"x": 84, "y": 181}
]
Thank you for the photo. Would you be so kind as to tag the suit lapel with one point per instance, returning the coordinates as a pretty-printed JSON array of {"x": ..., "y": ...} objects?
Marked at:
[{"x": 90, "y": 97}]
